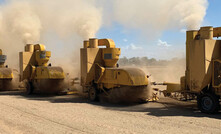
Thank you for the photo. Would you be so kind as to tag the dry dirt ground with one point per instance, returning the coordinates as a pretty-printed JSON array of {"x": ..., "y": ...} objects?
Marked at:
[{"x": 75, "y": 114}]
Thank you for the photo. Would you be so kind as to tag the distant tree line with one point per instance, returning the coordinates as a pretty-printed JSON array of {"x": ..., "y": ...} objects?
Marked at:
[{"x": 145, "y": 61}]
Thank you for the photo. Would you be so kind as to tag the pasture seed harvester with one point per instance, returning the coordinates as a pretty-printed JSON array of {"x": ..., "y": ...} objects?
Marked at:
[
  {"x": 100, "y": 72},
  {"x": 6, "y": 74},
  {"x": 35, "y": 72},
  {"x": 202, "y": 80}
]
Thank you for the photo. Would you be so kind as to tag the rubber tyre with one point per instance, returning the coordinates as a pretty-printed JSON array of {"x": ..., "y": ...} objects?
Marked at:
[
  {"x": 208, "y": 103},
  {"x": 93, "y": 94},
  {"x": 29, "y": 88}
]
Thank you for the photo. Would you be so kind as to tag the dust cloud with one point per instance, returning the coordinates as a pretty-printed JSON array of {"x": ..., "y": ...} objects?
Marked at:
[
  {"x": 170, "y": 72},
  {"x": 61, "y": 25},
  {"x": 127, "y": 94},
  {"x": 30, "y": 21},
  {"x": 154, "y": 17}
]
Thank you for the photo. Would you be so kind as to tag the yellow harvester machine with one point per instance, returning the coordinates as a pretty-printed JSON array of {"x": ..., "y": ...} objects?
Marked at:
[
  {"x": 100, "y": 71},
  {"x": 202, "y": 78},
  {"x": 6, "y": 74},
  {"x": 36, "y": 73}
]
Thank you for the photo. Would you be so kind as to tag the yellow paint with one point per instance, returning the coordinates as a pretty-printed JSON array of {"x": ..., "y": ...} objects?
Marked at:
[
  {"x": 99, "y": 66},
  {"x": 201, "y": 52},
  {"x": 217, "y": 32},
  {"x": 172, "y": 87},
  {"x": 34, "y": 65},
  {"x": 42, "y": 57},
  {"x": 5, "y": 73}
]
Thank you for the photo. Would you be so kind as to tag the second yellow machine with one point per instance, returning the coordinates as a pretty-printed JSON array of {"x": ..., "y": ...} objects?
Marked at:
[
  {"x": 100, "y": 71},
  {"x": 36, "y": 73}
]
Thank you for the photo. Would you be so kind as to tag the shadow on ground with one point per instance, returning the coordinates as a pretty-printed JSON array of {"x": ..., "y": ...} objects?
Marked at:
[{"x": 164, "y": 107}]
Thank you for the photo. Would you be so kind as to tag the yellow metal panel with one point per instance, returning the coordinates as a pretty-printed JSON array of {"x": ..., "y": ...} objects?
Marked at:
[
  {"x": 42, "y": 73},
  {"x": 216, "y": 76},
  {"x": 217, "y": 32},
  {"x": 89, "y": 56},
  {"x": 183, "y": 83},
  {"x": 137, "y": 76},
  {"x": 196, "y": 64},
  {"x": 200, "y": 66},
  {"x": 6, "y": 73},
  {"x": 83, "y": 53},
  {"x": 29, "y": 48},
  {"x": 49, "y": 73},
  {"x": 110, "y": 56},
  {"x": 109, "y": 43},
  {"x": 110, "y": 76},
  {"x": 42, "y": 57},
  {"x": 124, "y": 77},
  {"x": 190, "y": 36},
  {"x": 99, "y": 72},
  {"x": 24, "y": 60},
  {"x": 56, "y": 73},
  {"x": 206, "y": 32},
  {"x": 39, "y": 47},
  {"x": 212, "y": 51},
  {"x": 93, "y": 43},
  {"x": 86, "y": 44},
  {"x": 173, "y": 87}
]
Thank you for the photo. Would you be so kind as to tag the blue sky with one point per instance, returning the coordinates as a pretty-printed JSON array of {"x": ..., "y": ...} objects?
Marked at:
[{"x": 134, "y": 44}]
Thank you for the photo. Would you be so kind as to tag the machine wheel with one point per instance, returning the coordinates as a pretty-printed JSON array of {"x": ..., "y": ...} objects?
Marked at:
[
  {"x": 93, "y": 94},
  {"x": 29, "y": 88},
  {"x": 208, "y": 103}
]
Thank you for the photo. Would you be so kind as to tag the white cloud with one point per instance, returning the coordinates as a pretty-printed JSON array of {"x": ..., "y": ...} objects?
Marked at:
[
  {"x": 133, "y": 50},
  {"x": 163, "y": 43},
  {"x": 133, "y": 47},
  {"x": 125, "y": 40}
]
